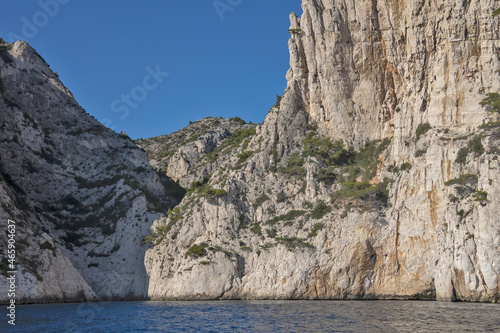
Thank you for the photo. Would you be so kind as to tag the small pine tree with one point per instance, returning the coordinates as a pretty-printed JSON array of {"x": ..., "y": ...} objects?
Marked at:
[
  {"x": 278, "y": 101},
  {"x": 492, "y": 101}
]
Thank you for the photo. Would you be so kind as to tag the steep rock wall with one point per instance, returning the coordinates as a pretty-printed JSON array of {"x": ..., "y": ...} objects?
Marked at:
[
  {"x": 360, "y": 71},
  {"x": 373, "y": 69},
  {"x": 83, "y": 196}
]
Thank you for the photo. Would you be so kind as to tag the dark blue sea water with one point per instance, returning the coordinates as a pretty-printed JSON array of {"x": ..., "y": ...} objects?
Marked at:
[{"x": 257, "y": 316}]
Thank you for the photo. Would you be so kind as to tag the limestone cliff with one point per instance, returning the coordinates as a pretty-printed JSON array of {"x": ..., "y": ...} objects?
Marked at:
[
  {"x": 375, "y": 176},
  {"x": 82, "y": 196}
]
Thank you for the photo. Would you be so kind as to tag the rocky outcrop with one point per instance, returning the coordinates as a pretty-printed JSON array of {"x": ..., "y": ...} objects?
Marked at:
[
  {"x": 83, "y": 197},
  {"x": 178, "y": 155},
  {"x": 410, "y": 210}
]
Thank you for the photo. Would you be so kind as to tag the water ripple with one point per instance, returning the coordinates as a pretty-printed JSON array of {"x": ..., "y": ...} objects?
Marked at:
[{"x": 258, "y": 316}]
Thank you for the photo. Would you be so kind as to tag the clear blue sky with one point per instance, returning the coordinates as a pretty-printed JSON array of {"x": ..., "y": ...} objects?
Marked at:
[{"x": 227, "y": 62}]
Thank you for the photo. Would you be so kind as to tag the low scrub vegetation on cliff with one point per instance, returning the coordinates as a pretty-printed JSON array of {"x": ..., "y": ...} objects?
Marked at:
[
  {"x": 294, "y": 167},
  {"x": 314, "y": 230},
  {"x": 464, "y": 179},
  {"x": 232, "y": 142},
  {"x": 364, "y": 190},
  {"x": 291, "y": 215},
  {"x": 491, "y": 102},
  {"x": 422, "y": 129},
  {"x": 332, "y": 153},
  {"x": 292, "y": 243},
  {"x": 473, "y": 146},
  {"x": 320, "y": 210},
  {"x": 196, "y": 250},
  {"x": 203, "y": 189}
]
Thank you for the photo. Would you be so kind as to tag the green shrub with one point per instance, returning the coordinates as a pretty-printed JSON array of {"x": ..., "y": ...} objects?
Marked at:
[
  {"x": 198, "y": 185},
  {"x": 347, "y": 209},
  {"x": 294, "y": 166},
  {"x": 490, "y": 125},
  {"x": 480, "y": 196},
  {"x": 205, "y": 191},
  {"x": 293, "y": 243},
  {"x": 196, "y": 250},
  {"x": 174, "y": 214},
  {"x": 256, "y": 229},
  {"x": 365, "y": 161},
  {"x": 278, "y": 101},
  {"x": 354, "y": 189},
  {"x": 422, "y": 129},
  {"x": 148, "y": 239},
  {"x": 462, "y": 155},
  {"x": 327, "y": 175},
  {"x": 242, "y": 222},
  {"x": 464, "y": 179},
  {"x": 231, "y": 142},
  {"x": 280, "y": 197},
  {"x": 475, "y": 145},
  {"x": 260, "y": 200},
  {"x": 218, "y": 248},
  {"x": 161, "y": 230},
  {"x": 357, "y": 190},
  {"x": 245, "y": 145},
  {"x": 405, "y": 166},
  {"x": 291, "y": 215},
  {"x": 382, "y": 191},
  {"x": 314, "y": 230},
  {"x": 393, "y": 168},
  {"x": 307, "y": 205},
  {"x": 492, "y": 100},
  {"x": 320, "y": 210},
  {"x": 238, "y": 120},
  {"x": 420, "y": 152},
  {"x": 323, "y": 148},
  {"x": 244, "y": 155},
  {"x": 6, "y": 46},
  {"x": 271, "y": 233},
  {"x": 213, "y": 193}
]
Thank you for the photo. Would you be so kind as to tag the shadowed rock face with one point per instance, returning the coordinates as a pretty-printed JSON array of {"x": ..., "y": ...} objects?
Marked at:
[
  {"x": 83, "y": 196},
  {"x": 372, "y": 177},
  {"x": 298, "y": 220}
]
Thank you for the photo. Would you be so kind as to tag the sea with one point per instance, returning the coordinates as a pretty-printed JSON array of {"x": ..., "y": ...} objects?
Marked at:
[{"x": 257, "y": 316}]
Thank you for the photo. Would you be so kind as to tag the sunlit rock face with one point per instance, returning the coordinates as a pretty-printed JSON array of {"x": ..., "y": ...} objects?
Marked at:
[{"x": 294, "y": 224}]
